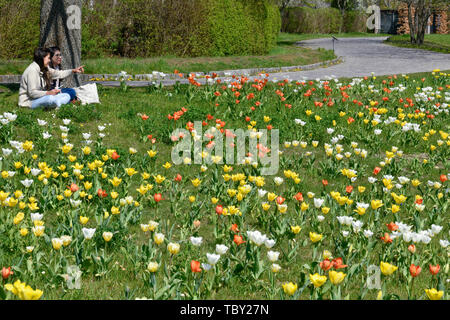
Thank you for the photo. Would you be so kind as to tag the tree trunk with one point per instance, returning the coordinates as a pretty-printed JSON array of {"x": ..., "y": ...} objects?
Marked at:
[
  {"x": 61, "y": 26},
  {"x": 424, "y": 13},
  {"x": 412, "y": 29}
]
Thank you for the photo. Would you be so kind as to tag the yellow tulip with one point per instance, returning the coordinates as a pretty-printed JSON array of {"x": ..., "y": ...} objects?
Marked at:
[
  {"x": 173, "y": 248},
  {"x": 387, "y": 268},
  {"x": 336, "y": 277},
  {"x": 296, "y": 229},
  {"x": 317, "y": 280},
  {"x": 153, "y": 267},
  {"x": 433, "y": 294},
  {"x": 375, "y": 204},
  {"x": 289, "y": 288},
  {"x": 84, "y": 220},
  {"x": 315, "y": 237},
  {"x": 107, "y": 236}
]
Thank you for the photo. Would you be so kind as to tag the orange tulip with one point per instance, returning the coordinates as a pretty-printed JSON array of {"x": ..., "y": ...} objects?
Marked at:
[
  {"x": 195, "y": 266},
  {"x": 238, "y": 239},
  {"x": 415, "y": 270},
  {"x": 326, "y": 265},
  {"x": 435, "y": 269}
]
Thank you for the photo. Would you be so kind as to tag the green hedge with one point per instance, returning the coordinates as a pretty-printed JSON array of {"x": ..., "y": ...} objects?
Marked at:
[
  {"x": 19, "y": 28},
  {"x": 144, "y": 28},
  {"x": 355, "y": 21},
  {"x": 323, "y": 20}
]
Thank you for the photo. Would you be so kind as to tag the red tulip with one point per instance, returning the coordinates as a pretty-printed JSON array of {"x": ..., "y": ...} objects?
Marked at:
[
  {"x": 376, "y": 170},
  {"x": 157, "y": 197},
  {"x": 102, "y": 193},
  {"x": 73, "y": 187},
  {"x": 115, "y": 156},
  {"x": 238, "y": 239},
  {"x": 6, "y": 272},
  {"x": 338, "y": 263},
  {"x": 435, "y": 269},
  {"x": 195, "y": 266},
  {"x": 178, "y": 178},
  {"x": 324, "y": 182},
  {"x": 298, "y": 197},
  {"x": 386, "y": 238},
  {"x": 412, "y": 248},
  {"x": 326, "y": 265},
  {"x": 392, "y": 226},
  {"x": 219, "y": 209},
  {"x": 348, "y": 189},
  {"x": 415, "y": 270},
  {"x": 443, "y": 178},
  {"x": 234, "y": 228},
  {"x": 280, "y": 200}
]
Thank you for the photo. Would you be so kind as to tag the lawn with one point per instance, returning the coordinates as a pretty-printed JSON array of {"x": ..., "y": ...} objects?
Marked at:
[
  {"x": 335, "y": 138},
  {"x": 432, "y": 42},
  {"x": 283, "y": 54}
]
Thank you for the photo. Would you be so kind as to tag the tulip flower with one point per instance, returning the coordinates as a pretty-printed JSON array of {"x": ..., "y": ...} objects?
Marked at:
[
  {"x": 433, "y": 294},
  {"x": 23, "y": 291},
  {"x": 387, "y": 268},
  {"x": 152, "y": 267},
  {"x": 338, "y": 263},
  {"x": 158, "y": 238},
  {"x": 315, "y": 237},
  {"x": 6, "y": 273},
  {"x": 107, "y": 236},
  {"x": 195, "y": 266},
  {"x": 415, "y": 270},
  {"x": 434, "y": 270},
  {"x": 238, "y": 239},
  {"x": 289, "y": 288},
  {"x": 326, "y": 265},
  {"x": 173, "y": 248},
  {"x": 317, "y": 280},
  {"x": 157, "y": 197},
  {"x": 336, "y": 277}
]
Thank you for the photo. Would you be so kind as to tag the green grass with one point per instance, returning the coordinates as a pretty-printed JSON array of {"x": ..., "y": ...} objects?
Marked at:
[
  {"x": 291, "y": 38},
  {"x": 432, "y": 42},
  {"x": 121, "y": 109},
  {"x": 283, "y": 54}
]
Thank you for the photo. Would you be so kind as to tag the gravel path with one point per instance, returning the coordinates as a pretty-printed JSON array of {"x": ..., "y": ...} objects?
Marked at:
[
  {"x": 361, "y": 56},
  {"x": 365, "y": 55}
]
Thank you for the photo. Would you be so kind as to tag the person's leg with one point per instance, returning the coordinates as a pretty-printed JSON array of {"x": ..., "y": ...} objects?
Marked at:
[
  {"x": 46, "y": 100},
  {"x": 62, "y": 98},
  {"x": 71, "y": 92}
]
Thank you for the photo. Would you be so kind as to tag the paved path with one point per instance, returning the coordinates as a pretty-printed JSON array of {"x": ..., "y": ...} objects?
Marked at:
[
  {"x": 362, "y": 56},
  {"x": 365, "y": 55}
]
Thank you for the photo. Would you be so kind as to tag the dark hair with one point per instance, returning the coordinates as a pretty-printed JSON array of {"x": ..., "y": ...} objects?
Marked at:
[
  {"x": 53, "y": 50},
  {"x": 39, "y": 55}
]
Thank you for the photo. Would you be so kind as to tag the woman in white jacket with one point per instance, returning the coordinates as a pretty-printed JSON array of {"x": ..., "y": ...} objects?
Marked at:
[{"x": 35, "y": 84}]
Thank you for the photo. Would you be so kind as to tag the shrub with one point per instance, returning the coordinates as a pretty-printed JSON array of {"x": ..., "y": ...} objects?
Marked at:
[
  {"x": 323, "y": 20},
  {"x": 19, "y": 28},
  {"x": 355, "y": 21},
  {"x": 142, "y": 28}
]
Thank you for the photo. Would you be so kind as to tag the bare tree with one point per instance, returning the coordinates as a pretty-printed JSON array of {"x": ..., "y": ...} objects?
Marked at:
[
  {"x": 61, "y": 26},
  {"x": 418, "y": 20}
]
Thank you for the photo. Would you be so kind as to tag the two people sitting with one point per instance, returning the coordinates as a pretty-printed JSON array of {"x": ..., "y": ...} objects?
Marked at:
[{"x": 40, "y": 82}]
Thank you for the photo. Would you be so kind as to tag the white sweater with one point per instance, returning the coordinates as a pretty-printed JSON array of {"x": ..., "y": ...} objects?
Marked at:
[{"x": 32, "y": 83}]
